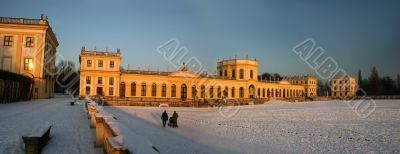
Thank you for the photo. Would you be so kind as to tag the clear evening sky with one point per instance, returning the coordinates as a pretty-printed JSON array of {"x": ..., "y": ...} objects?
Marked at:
[{"x": 357, "y": 34}]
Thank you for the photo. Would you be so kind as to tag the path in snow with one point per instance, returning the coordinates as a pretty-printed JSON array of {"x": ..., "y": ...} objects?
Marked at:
[
  {"x": 70, "y": 132},
  {"x": 306, "y": 127}
]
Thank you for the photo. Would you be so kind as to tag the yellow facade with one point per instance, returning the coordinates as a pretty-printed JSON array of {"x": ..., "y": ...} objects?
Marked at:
[
  {"x": 343, "y": 86},
  {"x": 28, "y": 47},
  {"x": 236, "y": 78},
  {"x": 309, "y": 82}
]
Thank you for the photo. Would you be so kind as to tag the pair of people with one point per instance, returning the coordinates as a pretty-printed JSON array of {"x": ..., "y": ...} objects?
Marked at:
[{"x": 173, "y": 121}]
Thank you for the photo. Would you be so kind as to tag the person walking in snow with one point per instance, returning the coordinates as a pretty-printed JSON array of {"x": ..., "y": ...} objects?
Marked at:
[
  {"x": 164, "y": 118},
  {"x": 175, "y": 119}
]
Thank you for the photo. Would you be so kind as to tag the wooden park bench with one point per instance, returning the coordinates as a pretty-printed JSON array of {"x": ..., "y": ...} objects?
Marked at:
[{"x": 37, "y": 139}]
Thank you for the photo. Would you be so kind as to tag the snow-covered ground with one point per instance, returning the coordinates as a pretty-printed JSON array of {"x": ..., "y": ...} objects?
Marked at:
[
  {"x": 275, "y": 127},
  {"x": 70, "y": 132}
]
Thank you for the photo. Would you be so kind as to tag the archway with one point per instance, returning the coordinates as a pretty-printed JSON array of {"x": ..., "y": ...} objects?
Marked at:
[{"x": 252, "y": 90}]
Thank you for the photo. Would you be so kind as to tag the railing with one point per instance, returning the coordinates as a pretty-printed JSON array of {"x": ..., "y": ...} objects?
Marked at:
[
  {"x": 22, "y": 21},
  {"x": 113, "y": 136},
  {"x": 99, "y": 53}
]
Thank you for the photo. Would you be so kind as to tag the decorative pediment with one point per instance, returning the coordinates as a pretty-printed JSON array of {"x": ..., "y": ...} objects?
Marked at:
[{"x": 183, "y": 73}]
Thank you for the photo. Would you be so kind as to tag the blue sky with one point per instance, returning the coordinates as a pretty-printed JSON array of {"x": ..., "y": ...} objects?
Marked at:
[{"x": 357, "y": 34}]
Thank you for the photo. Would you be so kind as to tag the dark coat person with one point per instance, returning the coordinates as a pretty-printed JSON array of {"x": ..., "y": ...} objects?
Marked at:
[
  {"x": 164, "y": 118},
  {"x": 175, "y": 119}
]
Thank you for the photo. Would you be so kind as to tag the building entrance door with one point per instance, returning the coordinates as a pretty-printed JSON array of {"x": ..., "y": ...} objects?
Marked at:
[
  {"x": 252, "y": 89},
  {"x": 99, "y": 90}
]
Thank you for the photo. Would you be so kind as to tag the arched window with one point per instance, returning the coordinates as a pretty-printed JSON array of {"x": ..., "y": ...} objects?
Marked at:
[
  {"x": 173, "y": 90},
  {"x": 219, "y": 92},
  {"x": 233, "y": 73},
  {"x": 164, "y": 90},
  {"x": 241, "y": 74},
  {"x": 184, "y": 91},
  {"x": 259, "y": 92},
  {"x": 154, "y": 89},
  {"x": 241, "y": 94},
  {"x": 211, "y": 92},
  {"x": 133, "y": 89},
  {"x": 122, "y": 89},
  {"x": 220, "y": 73},
  {"x": 233, "y": 92},
  {"x": 226, "y": 92},
  {"x": 203, "y": 92},
  {"x": 251, "y": 74},
  {"x": 263, "y": 93},
  {"x": 143, "y": 89},
  {"x": 194, "y": 92}
]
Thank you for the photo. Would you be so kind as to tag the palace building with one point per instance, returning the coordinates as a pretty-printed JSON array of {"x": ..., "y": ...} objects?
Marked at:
[
  {"x": 343, "y": 86},
  {"x": 28, "y": 47},
  {"x": 100, "y": 74}
]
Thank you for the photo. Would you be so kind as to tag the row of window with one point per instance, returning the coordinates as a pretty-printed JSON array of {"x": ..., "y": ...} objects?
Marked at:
[
  {"x": 345, "y": 88},
  {"x": 203, "y": 91},
  {"x": 183, "y": 91},
  {"x": 99, "y": 64},
  {"x": 8, "y": 41},
  {"x": 306, "y": 82},
  {"x": 340, "y": 82},
  {"x": 100, "y": 80},
  {"x": 241, "y": 74},
  {"x": 276, "y": 92}
]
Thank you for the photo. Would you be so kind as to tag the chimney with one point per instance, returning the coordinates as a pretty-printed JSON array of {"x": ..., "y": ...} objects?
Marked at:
[{"x": 83, "y": 49}]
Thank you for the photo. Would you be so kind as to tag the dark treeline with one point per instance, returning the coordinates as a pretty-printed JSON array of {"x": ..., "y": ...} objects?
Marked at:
[
  {"x": 270, "y": 76},
  {"x": 375, "y": 85},
  {"x": 67, "y": 78}
]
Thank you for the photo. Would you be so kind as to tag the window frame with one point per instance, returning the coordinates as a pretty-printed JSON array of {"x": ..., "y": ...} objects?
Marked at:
[
  {"x": 164, "y": 90},
  {"x": 133, "y": 89},
  {"x": 26, "y": 64},
  {"x": 100, "y": 63},
  {"x": 29, "y": 41},
  {"x": 88, "y": 79},
  {"x": 8, "y": 41},
  {"x": 173, "y": 90},
  {"x": 111, "y": 81},
  {"x": 111, "y": 91},
  {"x": 87, "y": 90},
  {"x": 99, "y": 80},
  {"x": 112, "y": 64},
  {"x": 154, "y": 90},
  {"x": 143, "y": 89},
  {"x": 88, "y": 63}
]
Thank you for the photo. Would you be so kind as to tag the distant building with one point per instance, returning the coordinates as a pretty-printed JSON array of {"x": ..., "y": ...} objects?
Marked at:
[
  {"x": 28, "y": 47},
  {"x": 343, "y": 86},
  {"x": 309, "y": 82},
  {"x": 100, "y": 73}
]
